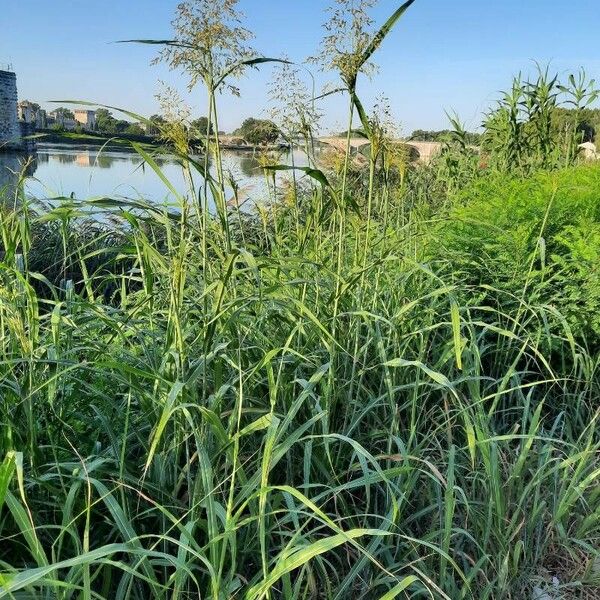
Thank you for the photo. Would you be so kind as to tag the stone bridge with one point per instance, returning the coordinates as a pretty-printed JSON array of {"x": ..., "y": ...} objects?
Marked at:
[{"x": 423, "y": 151}]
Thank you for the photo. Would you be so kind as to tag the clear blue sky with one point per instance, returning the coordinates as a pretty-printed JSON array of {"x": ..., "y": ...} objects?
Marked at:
[{"x": 445, "y": 54}]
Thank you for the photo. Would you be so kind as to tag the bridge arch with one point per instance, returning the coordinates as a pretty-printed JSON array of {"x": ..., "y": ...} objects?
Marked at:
[{"x": 422, "y": 152}]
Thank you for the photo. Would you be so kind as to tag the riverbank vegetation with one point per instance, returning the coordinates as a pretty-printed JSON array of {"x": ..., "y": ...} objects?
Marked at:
[{"x": 381, "y": 383}]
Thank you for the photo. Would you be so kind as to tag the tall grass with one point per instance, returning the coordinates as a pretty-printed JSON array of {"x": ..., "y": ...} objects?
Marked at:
[
  {"x": 524, "y": 130},
  {"x": 258, "y": 414}
]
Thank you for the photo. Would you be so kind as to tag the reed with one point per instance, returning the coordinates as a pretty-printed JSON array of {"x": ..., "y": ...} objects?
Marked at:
[{"x": 386, "y": 388}]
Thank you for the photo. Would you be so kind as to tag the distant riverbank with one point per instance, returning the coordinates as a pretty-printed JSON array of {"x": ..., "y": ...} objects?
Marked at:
[
  {"x": 123, "y": 142},
  {"x": 98, "y": 140}
]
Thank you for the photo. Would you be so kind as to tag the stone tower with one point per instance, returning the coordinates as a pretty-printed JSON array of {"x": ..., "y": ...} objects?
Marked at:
[{"x": 10, "y": 131}]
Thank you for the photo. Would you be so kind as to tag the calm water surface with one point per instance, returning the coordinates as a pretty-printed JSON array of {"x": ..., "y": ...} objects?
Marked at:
[{"x": 84, "y": 173}]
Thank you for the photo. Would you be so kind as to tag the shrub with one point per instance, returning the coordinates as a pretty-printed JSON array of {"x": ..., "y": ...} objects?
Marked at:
[{"x": 535, "y": 239}]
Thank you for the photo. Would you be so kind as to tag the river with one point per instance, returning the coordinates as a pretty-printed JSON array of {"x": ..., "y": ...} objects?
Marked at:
[{"x": 65, "y": 171}]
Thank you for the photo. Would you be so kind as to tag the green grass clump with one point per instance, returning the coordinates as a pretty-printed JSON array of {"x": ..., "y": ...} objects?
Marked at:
[
  {"x": 367, "y": 388},
  {"x": 535, "y": 239},
  {"x": 174, "y": 432}
]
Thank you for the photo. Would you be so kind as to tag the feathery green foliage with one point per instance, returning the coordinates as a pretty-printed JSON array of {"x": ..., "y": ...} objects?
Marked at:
[{"x": 387, "y": 388}]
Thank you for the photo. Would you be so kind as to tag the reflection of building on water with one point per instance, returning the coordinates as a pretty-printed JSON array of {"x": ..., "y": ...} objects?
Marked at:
[
  {"x": 83, "y": 159},
  {"x": 89, "y": 171},
  {"x": 12, "y": 168},
  {"x": 88, "y": 158}
]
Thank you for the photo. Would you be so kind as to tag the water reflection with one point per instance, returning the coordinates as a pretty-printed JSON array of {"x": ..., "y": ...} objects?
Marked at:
[
  {"x": 83, "y": 159},
  {"x": 87, "y": 172},
  {"x": 65, "y": 158},
  {"x": 249, "y": 166},
  {"x": 93, "y": 158},
  {"x": 12, "y": 167},
  {"x": 104, "y": 161}
]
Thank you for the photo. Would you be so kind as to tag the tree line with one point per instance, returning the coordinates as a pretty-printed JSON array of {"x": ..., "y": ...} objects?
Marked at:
[
  {"x": 256, "y": 132},
  {"x": 264, "y": 131}
]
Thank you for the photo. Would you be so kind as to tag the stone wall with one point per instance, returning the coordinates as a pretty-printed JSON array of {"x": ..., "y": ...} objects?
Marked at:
[
  {"x": 10, "y": 131},
  {"x": 28, "y": 141}
]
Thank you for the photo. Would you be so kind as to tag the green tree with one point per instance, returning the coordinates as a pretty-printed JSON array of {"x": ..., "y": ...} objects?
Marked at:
[
  {"x": 444, "y": 135},
  {"x": 587, "y": 124},
  {"x": 200, "y": 127},
  {"x": 121, "y": 126},
  {"x": 105, "y": 122},
  {"x": 65, "y": 113},
  {"x": 156, "y": 126},
  {"x": 135, "y": 129},
  {"x": 354, "y": 133},
  {"x": 258, "y": 131}
]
